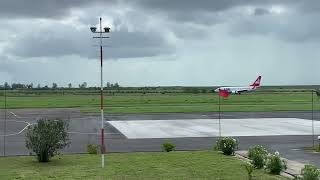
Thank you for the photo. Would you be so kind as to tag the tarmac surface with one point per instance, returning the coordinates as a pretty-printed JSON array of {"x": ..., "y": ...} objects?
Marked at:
[{"x": 85, "y": 128}]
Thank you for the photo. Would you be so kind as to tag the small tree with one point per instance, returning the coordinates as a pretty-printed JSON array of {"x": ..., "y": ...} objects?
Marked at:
[
  {"x": 167, "y": 147},
  {"x": 227, "y": 145},
  {"x": 310, "y": 172},
  {"x": 47, "y": 137},
  {"x": 54, "y": 85},
  {"x": 249, "y": 168},
  {"x": 275, "y": 164},
  {"x": 258, "y": 154},
  {"x": 83, "y": 85}
]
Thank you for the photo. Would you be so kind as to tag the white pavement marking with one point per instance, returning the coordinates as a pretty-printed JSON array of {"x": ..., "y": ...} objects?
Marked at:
[
  {"x": 140, "y": 129},
  {"x": 14, "y": 114},
  {"x": 13, "y": 134}
]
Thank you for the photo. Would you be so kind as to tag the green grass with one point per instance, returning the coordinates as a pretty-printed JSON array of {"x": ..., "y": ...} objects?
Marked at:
[
  {"x": 171, "y": 102},
  {"x": 315, "y": 148},
  {"x": 173, "y": 165}
]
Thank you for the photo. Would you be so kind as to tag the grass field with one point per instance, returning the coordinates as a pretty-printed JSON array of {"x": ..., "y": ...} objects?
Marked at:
[
  {"x": 315, "y": 148},
  {"x": 173, "y": 165},
  {"x": 170, "y": 102}
]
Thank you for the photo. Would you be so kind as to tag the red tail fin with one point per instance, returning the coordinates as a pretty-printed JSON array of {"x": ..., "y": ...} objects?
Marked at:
[
  {"x": 223, "y": 93},
  {"x": 257, "y": 82}
]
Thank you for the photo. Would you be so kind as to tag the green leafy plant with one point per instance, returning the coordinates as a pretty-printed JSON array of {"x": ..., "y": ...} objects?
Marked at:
[
  {"x": 310, "y": 172},
  {"x": 275, "y": 164},
  {"x": 258, "y": 154},
  {"x": 47, "y": 137},
  {"x": 227, "y": 145},
  {"x": 92, "y": 148},
  {"x": 167, "y": 147},
  {"x": 249, "y": 168}
]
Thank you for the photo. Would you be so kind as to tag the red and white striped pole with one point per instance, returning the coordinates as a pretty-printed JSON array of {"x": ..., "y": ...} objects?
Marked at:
[
  {"x": 101, "y": 98},
  {"x": 106, "y": 30}
]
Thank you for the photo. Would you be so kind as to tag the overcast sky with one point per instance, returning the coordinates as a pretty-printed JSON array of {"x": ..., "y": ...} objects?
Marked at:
[{"x": 161, "y": 42}]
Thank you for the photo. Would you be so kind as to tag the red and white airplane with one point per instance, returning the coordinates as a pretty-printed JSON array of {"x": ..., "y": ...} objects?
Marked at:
[{"x": 239, "y": 90}]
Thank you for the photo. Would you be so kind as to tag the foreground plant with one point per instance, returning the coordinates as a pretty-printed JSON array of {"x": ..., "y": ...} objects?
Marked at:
[
  {"x": 258, "y": 155},
  {"x": 92, "y": 148},
  {"x": 249, "y": 168},
  {"x": 310, "y": 172},
  {"x": 167, "y": 147},
  {"x": 275, "y": 164},
  {"x": 47, "y": 137},
  {"x": 227, "y": 145}
]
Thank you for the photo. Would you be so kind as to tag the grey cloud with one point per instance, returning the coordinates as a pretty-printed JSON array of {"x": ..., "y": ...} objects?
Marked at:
[
  {"x": 44, "y": 8},
  {"x": 309, "y": 6},
  {"x": 124, "y": 44},
  {"x": 261, "y": 11},
  {"x": 68, "y": 41},
  {"x": 197, "y": 11},
  {"x": 296, "y": 28}
]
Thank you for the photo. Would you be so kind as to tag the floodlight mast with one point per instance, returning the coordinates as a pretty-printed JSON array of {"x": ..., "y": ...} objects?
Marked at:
[{"x": 106, "y": 30}]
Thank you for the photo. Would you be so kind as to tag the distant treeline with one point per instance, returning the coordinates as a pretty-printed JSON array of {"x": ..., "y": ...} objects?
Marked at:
[{"x": 113, "y": 88}]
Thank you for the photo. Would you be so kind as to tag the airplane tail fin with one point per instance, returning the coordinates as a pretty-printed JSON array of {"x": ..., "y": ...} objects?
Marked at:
[{"x": 256, "y": 83}]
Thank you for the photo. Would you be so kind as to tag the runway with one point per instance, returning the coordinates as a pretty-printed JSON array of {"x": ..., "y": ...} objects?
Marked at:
[
  {"x": 142, "y": 129},
  {"x": 286, "y": 132}
]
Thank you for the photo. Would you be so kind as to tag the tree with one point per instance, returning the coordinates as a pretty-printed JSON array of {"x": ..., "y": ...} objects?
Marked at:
[
  {"x": 47, "y": 137},
  {"x": 83, "y": 85},
  {"x": 30, "y": 86},
  {"x": 18, "y": 86},
  {"x": 108, "y": 84},
  {"x": 38, "y": 86},
  {"x": 6, "y": 85},
  {"x": 54, "y": 85},
  {"x": 69, "y": 85}
]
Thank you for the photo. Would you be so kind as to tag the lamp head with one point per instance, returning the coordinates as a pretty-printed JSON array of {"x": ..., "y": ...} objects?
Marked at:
[
  {"x": 106, "y": 29},
  {"x": 93, "y": 29}
]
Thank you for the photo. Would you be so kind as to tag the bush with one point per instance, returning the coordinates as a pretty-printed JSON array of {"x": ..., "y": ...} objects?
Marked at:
[
  {"x": 92, "y": 148},
  {"x": 167, "y": 147},
  {"x": 274, "y": 164},
  {"x": 258, "y": 154},
  {"x": 47, "y": 137},
  {"x": 249, "y": 168},
  {"x": 310, "y": 172},
  {"x": 227, "y": 145}
]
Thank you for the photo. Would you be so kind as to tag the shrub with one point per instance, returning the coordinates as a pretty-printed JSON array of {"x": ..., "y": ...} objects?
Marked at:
[
  {"x": 249, "y": 168},
  {"x": 47, "y": 137},
  {"x": 167, "y": 147},
  {"x": 310, "y": 172},
  {"x": 258, "y": 154},
  {"x": 275, "y": 164},
  {"x": 227, "y": 145},
  {"x": 92, "y": 148}
]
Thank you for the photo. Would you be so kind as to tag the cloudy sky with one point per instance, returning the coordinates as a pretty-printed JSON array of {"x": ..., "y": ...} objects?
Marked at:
[{"x": 161, "y": 42}]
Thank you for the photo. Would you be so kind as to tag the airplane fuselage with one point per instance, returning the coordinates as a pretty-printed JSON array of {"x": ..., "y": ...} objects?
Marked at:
[
  {"x": 236, "y": 90},
  {"x": 239, "y": 90}
]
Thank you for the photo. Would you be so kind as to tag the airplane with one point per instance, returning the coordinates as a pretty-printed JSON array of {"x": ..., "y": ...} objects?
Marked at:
[{"x": 239, "y": 90}]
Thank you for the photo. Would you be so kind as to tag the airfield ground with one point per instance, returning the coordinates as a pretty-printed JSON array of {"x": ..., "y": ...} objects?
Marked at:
[
  {"x": 286, "y": 132},
  {"x": 279, "y": 119}
]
